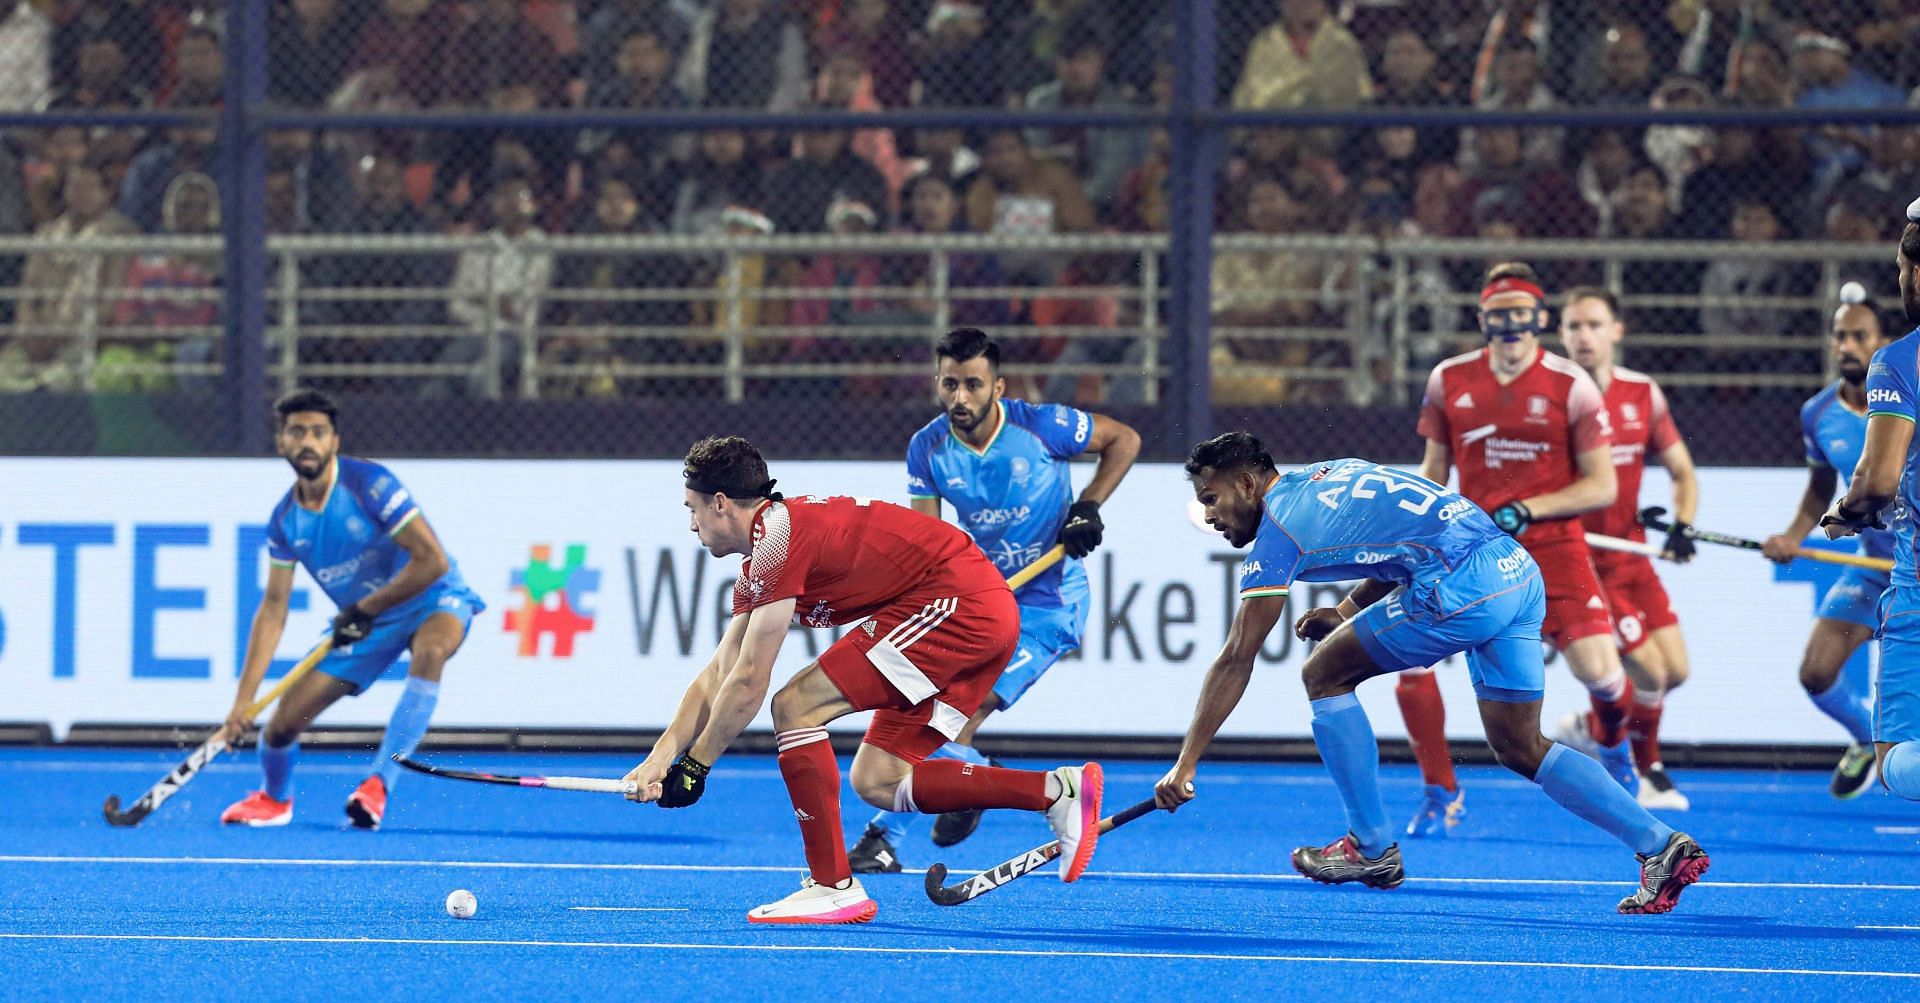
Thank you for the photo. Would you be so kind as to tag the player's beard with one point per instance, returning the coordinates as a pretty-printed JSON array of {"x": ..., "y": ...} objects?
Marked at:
[
  {"x": 1853, "y": 371},
  {"x": 1910, "y": 301},
  {"x": 308, "y": 458},
  {"x": 972, "y": 420}
]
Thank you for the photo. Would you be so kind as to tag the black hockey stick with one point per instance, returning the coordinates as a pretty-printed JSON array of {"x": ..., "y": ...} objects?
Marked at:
[
  {"x": 601, "y": 785},
  {"x": 1026, "y": 863}
]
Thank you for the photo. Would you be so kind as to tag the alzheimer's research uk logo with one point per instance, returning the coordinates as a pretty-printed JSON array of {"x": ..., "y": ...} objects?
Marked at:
[{"x": 552, "y": 600}]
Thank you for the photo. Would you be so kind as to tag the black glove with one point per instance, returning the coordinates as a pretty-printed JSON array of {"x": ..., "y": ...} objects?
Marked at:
[
  {"x": 351, "y": 625},
  {"x": 685, "y": 781},
  {"x": 1512, "y": 518},
  {"x": 1083, "y": 529},
  {"x": 1679, "y": 545},
  {"x": 1843, "y": 516}
]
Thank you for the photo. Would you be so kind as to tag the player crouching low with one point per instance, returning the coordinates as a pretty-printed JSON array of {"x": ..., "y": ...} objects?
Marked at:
[
  {"x": 939, "y": 627},
  {"x": 1439, "y": 579},
  {"x": 360, "y": 534}
]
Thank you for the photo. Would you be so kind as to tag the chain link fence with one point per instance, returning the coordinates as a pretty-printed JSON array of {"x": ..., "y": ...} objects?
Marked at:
[{"x": 558, "y": 266}]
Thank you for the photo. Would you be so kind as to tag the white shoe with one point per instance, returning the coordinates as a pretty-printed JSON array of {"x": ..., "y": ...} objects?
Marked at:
[
  {"x": 1075, "y": 817},
  {"x": 819, "y": 904},
  {"x": 1658, "y": 793},
  {"x": 1572, "y": 733}
]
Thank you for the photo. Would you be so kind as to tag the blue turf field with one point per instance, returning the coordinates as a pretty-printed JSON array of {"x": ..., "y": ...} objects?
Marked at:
[{"x": 583, "y": 896}]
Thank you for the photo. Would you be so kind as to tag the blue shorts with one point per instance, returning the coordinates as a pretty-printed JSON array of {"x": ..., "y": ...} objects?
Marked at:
[
  {"x": 1896, "y": 695},
  {"x": 1854, "y": 598},
  {"x": 1046, "y": 633},
  {"x": 1499, "y": 631},
  {"x": 360, "y": 664}
]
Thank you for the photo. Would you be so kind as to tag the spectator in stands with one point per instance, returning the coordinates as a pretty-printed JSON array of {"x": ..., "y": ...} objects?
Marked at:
[
  {"x": 1018, "y": 194},
  {"x": 608, "y": 28},
  {"x": 1284, "y": 153},
  {"x": 1732, "y": 283},
  {"x": 1828, "y": 80},
  {"x": 799, "y": 192},
  {"x": 844, "y": 83},
  {"x": 1549, "y": 201},
  {"x": 497, "y": 292},
  {"x": 1520, "y": 85},
  {"x": 875, "y": 30},
  {"x": 1101, "y": 157},
  {"x": 1390, "y": 157},
  {"x": 642, "y": 83},
  {"x": 129, "y": 25},
  {"x": 15, "y": 220},
  {"x": 743, "y": 54},
  {"x": 62, "y": 289},
  {"x": 1262, "y": 289},
  {"x": 26, "y": 39},
  {"x": 400, "y": 60},
  {"x": 1627, "y": 77},
  {"x": 1142, "y": 205},
  {"x": 102, "y": 83},
  {"x": 1305, "y": 60},
  {"x": 852, "y": 274},
  {"x": 1642, "y": 211},
  {"x": 1763, "y": 80},
  {"x": 961, "y": 68},
  {"x": 943, "y": 152},
  {"x": 56, "y": 150},
  {"x": 720, "y": 174},
  {"x": 308, "y": 45},
  {"x": 381, "y": 208},
  {"x": 582, "y": 336},
  {"x": 478, "y": 156},
  {"x": 1031, "y": 31},
  {"x": 171, "y": 289},
  {"x": 1886, "y": 35},
  {"x": 1742, "y": 160},
  {"x": 933, "y": 206},
  {"x": 199, "y": 71},
  {"x": 1409, "y": 78},
  {"x": 1606, "y": 156},
  {"x": 1859, "y": 215},
  {"x": 500, "y": 48},
  {"x": 1714, "y": 31}
]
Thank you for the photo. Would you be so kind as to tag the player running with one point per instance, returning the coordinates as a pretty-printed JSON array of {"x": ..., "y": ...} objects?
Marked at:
[
  {"x": 1833, "y": 424},
  {"x": 361, "y": 536},
  {"x": 1645, "y": 627},
  {"x": 1439, "y": 578},
  {"x": 1005, "y": 464},
  {"x": 939, "y": 626},
  {"x": 1528, "y": 432},
  {"x": 1889, "y": 475}
]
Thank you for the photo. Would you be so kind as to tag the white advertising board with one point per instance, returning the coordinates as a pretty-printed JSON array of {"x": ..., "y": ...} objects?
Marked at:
[{"x": 127, "y": 586}]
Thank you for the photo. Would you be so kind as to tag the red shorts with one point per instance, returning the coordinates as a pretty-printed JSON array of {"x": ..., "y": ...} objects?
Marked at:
[
  {"x": 1639, "y": 602},
  {"x": 924, "y": 668},
  {"x": 1576, "y": 607}
]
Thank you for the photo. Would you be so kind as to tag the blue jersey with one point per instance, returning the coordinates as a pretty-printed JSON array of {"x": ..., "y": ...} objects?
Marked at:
[
  {"x": 1013, "y": 495},
  {"x": 1835, "y": 435},
  {"x": 1339, "y": 520},
  {"x": 1891, "y": 383},
  {"x": 348, "y": 546}
]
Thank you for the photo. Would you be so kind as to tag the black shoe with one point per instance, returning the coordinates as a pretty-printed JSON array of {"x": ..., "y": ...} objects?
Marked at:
[
  {"x": 1342, "y": 861},
  {"x": 952, "y": 828},
  {"x": 873, "y": 854},
  {"x": 1664, "y": 874},
  {"x": 1854, "y": 774}
]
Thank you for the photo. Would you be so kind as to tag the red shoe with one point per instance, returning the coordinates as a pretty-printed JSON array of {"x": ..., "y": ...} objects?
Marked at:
[
  {"x": 257, "y": 809},
  {"x": 368, "y": 803}
]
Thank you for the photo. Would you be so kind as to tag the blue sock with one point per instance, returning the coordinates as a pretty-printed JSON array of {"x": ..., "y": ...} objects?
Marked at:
[
  {"x": 1847, "y": 707},
  {"x": 407, "y": 726},
  {"x": 1345, "y": 738},
  {"x": 1900, "y": 768},
  {"x": 898, "y": 823},
  {"x": 1582, "y": 787},
  {"x": 276, "y": 765}
]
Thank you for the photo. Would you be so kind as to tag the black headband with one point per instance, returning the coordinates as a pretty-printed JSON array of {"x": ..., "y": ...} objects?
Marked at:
[{"x": 705, "y": 487}]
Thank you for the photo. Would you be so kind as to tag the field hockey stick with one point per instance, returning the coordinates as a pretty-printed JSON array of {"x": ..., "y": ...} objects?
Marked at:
[
  {"x": 1040, "y": 564},
  {"x": 1655, "y": 519},
  {"x": 1026, "y": 863},
  {"x": 170, "y": 784},
  {"x": 1601, "y": 541},
  {"x": 598, "y": 785}
]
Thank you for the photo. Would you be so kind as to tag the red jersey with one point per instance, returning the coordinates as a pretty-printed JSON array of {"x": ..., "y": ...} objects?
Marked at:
[
  {"x": 1642, "y": 427},
  {"x": 1519, "y": 440},
  {"x": 847, "y": 558}
]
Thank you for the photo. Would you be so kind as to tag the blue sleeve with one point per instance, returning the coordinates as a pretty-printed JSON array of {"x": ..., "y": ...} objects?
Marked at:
[
  {"x": 279, "y": 550},
  {"x": 383, "y": 496},
  {"x": 1270, "y": 565},
  {"x": 1810, "y": 435},
  {"x": 1065, "y": 431},
  {"x": 920, "y": 480},
  {"x": 1890, "y": 381}
]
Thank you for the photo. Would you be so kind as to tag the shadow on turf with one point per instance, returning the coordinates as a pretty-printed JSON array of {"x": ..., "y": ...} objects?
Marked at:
[{"x": 653, "y": 839}]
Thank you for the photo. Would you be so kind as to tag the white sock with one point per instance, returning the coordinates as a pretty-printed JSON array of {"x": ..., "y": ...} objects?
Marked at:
[
  {"x": 903, "y": 796},
  {"x": 1610, "y": 687}
]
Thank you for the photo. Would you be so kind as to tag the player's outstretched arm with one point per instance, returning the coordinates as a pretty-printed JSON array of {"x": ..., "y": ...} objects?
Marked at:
[
  {"x": 1117, "y": 445},
  {"x": 743, "y": 688},
  {"x": 263, "y": 639},
  {"x": 1876, "y": 480},
  {"x": 689, "y": 719},
  {"x": 1226, "y": 682},
  {"x": 1436, "y": 462},
  {"x": 1678, "y": 460},
  {"x": 1782, "y": 547},
  {"x": 1594, "y": 488}
]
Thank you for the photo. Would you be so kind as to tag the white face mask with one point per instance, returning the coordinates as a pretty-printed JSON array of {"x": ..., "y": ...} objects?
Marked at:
[{"x": 1669, "y": 144}]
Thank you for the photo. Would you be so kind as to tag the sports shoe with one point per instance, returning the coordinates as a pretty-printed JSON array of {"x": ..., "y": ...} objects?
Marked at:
[
  {"x": 873, "y": 854},
  {"x": 1664, "y": 874},
  {"x": 1075, "y": 817},
  {"x": 1618, "y": 759},
  {"x": 1855, "y": 773},
  {"x": 1573, "y": 733},
  {"x": 257, "y": 809},
  {"x": 819, "y": 904},
  {"x": 368, "y": 803},
  {"x": 1341, "y": 861},
  {"x": 1440, "y": 810},
  {"x": 1657, "y": 792},
  {"x": 952, "y": 828}
]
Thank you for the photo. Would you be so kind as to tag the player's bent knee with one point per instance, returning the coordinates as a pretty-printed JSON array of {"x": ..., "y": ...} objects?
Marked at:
[
  {"x": 1817, "y": 678},
  {"x": 1517, "y": 750},
  {"x": 789, "y": 709},
  {"x": 877, "y": 783}
]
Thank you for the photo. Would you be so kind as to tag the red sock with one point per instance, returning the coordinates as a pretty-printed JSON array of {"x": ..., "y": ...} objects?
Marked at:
[
  {"x": 813, "y": 782},
  {"x": 1643, "y": 730},
  {"x": 1608, "y": 721},
  {"x": 1426, "y": 717},
  {"x": 950, "y": 785}
]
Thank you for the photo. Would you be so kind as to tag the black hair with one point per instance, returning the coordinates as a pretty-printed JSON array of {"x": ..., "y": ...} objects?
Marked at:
[
  {"x": 964, "y": 343},
  {"x": 1228, "y": 452},
  {"x": 306, "y": 399},
  {"x": 729, "y": 465},
  {"x": 1910, "y": 244},
  {"x": 1078, "y": 39}
]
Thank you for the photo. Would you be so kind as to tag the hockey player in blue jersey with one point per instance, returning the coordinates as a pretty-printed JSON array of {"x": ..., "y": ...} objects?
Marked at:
[
  {"x": 1004, "y": 465},
  {"x": 1833, "y": 427},
  {"x": 1437, "y": 578},
  {"x": 361, "y": 536},
  {"x": 1886, "y": 489}
]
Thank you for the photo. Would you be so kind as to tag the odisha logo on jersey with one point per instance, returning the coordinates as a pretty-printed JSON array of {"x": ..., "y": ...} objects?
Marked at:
[
  {"x": 1455, "y": 509},
  {"x": 988, "y": 517},
  {"x": 1511, "y": 564},
  {"x": 1371, "y": 557},
  {"x": 1883, "y": 397},
  {"x": 1249, "y": 569},
  {"x": 332, "y": 573}
]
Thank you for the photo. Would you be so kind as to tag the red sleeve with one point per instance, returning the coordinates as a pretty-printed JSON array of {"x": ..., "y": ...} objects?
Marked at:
[
  {"x": 776, "y": 569},
  {"x": 1433, "y": 415},
  {"x": 1662, "y": 431},
  {"x": 1587, "y": 415}
]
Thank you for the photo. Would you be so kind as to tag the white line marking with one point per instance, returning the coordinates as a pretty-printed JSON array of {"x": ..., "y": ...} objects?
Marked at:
[
  {"x": 627, "y": 908},
  {"x": 1897, "y": 830},
  {"x": 972, "y": 951},
  {"x": 1887, "y": 927},
  {"x": 531, "y": 865}
]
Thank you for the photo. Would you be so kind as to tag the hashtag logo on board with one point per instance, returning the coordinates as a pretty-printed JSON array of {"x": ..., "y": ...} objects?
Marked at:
[{"x": 552, "y": 600}]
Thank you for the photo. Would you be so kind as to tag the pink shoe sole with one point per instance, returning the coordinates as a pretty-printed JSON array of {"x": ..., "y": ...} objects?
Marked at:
[
  {"x": 861, "y": 913},
  {"x": 1092, "y": 785}
]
